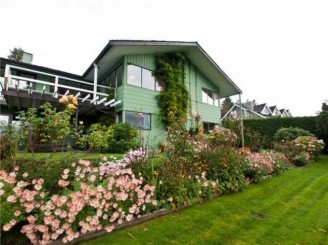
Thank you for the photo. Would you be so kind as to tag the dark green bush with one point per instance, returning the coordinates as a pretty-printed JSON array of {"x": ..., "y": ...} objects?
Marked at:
[
  {"x": 122, "y": 138},
  {"x": 288, "y": 134},
  {"x": 8, "y": 142}
]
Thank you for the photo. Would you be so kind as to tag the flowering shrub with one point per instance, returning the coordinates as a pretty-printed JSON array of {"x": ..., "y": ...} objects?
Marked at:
[
  {"x": 92, "y": 198},
  {"x": 220, "y": 136},
  {"x": 70, "y": 101},
  {"x": 309, "y": 144},
  {"x": 289, "y": 134},
  {"x": 226, "y": 165},
  {"x": 301, "y": 150},
  {"x": 261, "y": 165}
]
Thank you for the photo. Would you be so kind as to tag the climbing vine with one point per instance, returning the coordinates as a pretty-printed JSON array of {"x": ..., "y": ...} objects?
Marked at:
[{"x": 174, "y": 97}]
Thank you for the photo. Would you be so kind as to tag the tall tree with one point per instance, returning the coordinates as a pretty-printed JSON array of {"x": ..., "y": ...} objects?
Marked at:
[
  {"x": 322, "y": 124},
  {"x": 16, "y": 54},
  {"x": 226, "y": 105}
]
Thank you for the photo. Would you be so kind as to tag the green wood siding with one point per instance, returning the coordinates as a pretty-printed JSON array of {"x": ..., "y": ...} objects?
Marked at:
[
  {"x": 195, "y": 81},
  {"x": 144, "y": 60}
]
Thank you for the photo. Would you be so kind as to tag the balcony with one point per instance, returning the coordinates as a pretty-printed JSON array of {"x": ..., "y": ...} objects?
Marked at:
[{"x": 24, "y": 88}]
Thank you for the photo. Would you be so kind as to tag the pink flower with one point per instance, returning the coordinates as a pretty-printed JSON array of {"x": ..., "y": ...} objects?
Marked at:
[
  {"x": 129, "y": 217},
  {"x": 63, "y": 183},
  {"x": 25, "y": 175},
  {"x": 11, "y": 198},
  {"x": 17, "y": 213},
  {"x": 109, "y": 228}
]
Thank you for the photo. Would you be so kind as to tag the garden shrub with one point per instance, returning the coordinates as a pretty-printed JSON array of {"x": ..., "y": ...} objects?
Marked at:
[
  {"x": 182, "y": 182},
  {"x": 221, "y": 136},
  {"x": 264, "y": 164},
  {"x": 291, "y": 133},
  {"x": 46, "y": 125},
  {"x": 8, "y": 143},
  {"x": 301, "y": 150},
  {"x": 122, "y": 138},
  {"x": 226, "y": 165},
  {"x": 96, "y": 138}
]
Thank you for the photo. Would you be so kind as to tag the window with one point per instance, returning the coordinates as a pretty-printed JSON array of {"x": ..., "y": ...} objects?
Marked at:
[
  {"x": 142, "y": 78},
  {"x": 114, "y": 79},
  {"x": 134, "y": 75},
  {"x": 208, "y": 126},
  {"x": 210, "y": 97},
  {"x": 138, "y": 120}
]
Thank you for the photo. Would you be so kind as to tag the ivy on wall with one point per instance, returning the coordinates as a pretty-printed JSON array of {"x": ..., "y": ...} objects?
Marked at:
[{"x": 174, "y": 97}]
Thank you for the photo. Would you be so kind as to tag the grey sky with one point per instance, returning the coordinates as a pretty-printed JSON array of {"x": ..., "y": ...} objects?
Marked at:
[{"x": 276, "y": 51}]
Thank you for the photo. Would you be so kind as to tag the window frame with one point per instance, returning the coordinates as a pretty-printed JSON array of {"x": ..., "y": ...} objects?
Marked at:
[
  {"x": 214, "y": 98},
  {"x": 136, "y": 114},
  {"x": 155, "y": 85}
]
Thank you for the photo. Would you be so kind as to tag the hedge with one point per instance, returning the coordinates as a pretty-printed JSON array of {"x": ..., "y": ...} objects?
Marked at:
[{"x": 269, "y": 126}]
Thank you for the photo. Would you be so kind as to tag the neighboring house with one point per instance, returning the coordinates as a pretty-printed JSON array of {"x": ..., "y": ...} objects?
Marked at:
[
  {"x": 251, "y": 111},
  {"x": 285, "y": 113},
  {"x": 234, "y": 113},
  {"x": 275, "y": 111},
  {"x": 262, "y": 109},
  {"x": 123, "y": 70}
]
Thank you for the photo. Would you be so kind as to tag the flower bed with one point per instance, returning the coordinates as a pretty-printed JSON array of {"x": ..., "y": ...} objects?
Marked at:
[{"x": 95, "y": 197}]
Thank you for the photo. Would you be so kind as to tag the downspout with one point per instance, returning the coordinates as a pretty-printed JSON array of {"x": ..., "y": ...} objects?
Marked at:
[
  {"x": 95, "y": 80},
  {"x": 241, "y": 123}
]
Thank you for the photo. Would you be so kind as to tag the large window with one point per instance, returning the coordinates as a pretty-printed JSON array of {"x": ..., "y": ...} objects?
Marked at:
[
  {"x": 142, "y": 77},
  {"x": 114, "y": 79},
  {"x": 138, "y": 120},
  {"x": 210, "y": 97}
]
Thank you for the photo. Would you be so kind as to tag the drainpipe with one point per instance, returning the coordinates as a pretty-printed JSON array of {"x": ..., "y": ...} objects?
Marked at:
[
  {"x": 95, "y": 80},
  {"x": 241, "y": 123}
]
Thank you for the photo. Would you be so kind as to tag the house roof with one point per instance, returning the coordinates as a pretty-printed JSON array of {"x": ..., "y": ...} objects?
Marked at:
[
  {"x": 243, "y": 108},
  {"x": 4, "y": 61},
  {"x": 116, "y": 49},
  {"x": 259, "y": 108},
  {"x": 272, "y": 108}
]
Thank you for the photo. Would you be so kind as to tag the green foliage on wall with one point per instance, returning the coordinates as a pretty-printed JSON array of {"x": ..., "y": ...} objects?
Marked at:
[
  {"x": 269, "y": 126},
  {"x": 173, "y": 99}
]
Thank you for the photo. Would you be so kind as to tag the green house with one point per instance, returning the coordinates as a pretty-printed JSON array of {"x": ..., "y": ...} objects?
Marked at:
[{"x": 120, "y": 81}]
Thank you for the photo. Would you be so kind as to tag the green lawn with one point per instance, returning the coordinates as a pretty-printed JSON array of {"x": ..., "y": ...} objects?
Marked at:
[
  {"x": 66, "y": 155},
  {"x": 288, "y": 209}
]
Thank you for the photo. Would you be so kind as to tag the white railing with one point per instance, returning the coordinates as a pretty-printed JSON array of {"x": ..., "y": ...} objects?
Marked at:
[{"x": 55, "y": 89}]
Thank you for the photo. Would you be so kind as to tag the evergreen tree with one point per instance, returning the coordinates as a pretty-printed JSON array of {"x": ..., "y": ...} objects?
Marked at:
[
  {"x": 16, "y": 54},
  {"x": 226, "y": 105}
]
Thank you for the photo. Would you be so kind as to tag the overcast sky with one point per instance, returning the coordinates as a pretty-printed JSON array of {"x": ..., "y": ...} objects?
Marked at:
[{"x": 276, "y": 51}]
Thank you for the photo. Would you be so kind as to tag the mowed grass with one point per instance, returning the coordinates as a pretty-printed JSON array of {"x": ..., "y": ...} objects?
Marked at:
[
  {"x": 288, "y": 209},
  {"x": 70, "y": 155}
]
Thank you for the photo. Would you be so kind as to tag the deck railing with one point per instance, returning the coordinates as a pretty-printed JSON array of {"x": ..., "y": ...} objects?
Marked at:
[{"x": 56, "y": 86}]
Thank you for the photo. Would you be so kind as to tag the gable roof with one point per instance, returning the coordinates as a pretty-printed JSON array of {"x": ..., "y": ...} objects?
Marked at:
[
  {"x": 243, "y": 108},
  {"x": 259, "y": 108},
  {"x": 116, "y": 49}
]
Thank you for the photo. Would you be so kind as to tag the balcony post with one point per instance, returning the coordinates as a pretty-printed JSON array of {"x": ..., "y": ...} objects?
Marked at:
[
  {"x": 95, "y": 80},
  {"x": 56, "y": 84}
]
